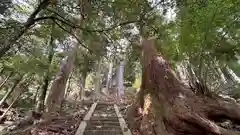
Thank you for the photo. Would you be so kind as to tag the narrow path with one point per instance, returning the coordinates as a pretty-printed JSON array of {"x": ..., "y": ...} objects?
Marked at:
[{"x": 103, "y": 119}]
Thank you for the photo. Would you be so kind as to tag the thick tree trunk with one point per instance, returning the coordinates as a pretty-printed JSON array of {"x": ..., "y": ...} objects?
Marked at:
[
  {"x": 10, "y": 90},
  {"x": 46, "y": 80},
  {"x": 31, "y": 20},
  {"x": 53, "y": 101},
  {"x": 175, "y": 109},
  {"x": 42, "y": 95}
]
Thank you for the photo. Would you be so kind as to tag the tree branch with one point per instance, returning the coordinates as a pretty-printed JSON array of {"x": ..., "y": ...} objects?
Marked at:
[
  {"x": 71, "y": 24},
  {"x": 41, "y": 6},
  {"x": 79, "y": 41},
  {"x": 112, "y": 27}
]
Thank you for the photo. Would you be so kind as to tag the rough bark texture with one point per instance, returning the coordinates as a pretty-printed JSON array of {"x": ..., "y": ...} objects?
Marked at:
[
  {"x": 56, "y": 93},
  {"x": 42, "y": 95},
  {"x": 53, "y": 101},
  {"x": 176, "y": 110}
]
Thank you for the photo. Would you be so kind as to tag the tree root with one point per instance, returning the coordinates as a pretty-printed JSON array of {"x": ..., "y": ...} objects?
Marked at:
[{"x": 175, "y": 109}]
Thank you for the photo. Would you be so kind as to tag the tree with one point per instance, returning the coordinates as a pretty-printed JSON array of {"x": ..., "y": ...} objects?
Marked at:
[
  {"x": 9, "y": 92},
  {"x": 46, "y": 78},
  {"x": 176, "y": 109},
  {"x": 30, "y": 21},
  {"x": 54, "y": 99}
]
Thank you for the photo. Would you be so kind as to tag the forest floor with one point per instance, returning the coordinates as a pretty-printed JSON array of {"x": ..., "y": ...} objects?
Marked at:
[
  {"x": 65, "y": 124},
  {"x": 69, "y": 119}
]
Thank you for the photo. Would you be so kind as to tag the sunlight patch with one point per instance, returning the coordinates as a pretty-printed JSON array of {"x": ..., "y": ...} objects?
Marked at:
[{"x": 181, "y": 96}]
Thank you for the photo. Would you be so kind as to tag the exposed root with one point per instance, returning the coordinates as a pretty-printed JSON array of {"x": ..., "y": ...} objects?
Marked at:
[{"x": 176, "y": 110}]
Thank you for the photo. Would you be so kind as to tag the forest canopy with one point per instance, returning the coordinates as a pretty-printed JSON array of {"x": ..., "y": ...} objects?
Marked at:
[{"x": 55, "y": 50}]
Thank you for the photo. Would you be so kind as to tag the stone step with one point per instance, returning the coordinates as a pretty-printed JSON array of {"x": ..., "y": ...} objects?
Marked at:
[
  {"x": 105, "y": 104},
  {"x": 103, "y": 127},
  {"x": 103, "y": 123},
  {"x": 111, "y": 118},
  {"x": 104, "y": 110},
  {"x": 103, "y": 132}
]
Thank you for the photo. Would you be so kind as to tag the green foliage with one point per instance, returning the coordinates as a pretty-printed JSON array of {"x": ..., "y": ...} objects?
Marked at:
[
  {"x": 210, "y": 27},
  {"x": 133, "y": 54},
  {"x": 137, "y": 83},
  {"x": 204, "y": 32}
]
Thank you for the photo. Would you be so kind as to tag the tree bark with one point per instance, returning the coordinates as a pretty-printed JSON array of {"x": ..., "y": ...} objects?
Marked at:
[
  {"x": 98, "y": 79},
  {"x": 31, "y": 20},
  {"x": 231, "y": 75},
  {"x": 42, "y": 95},
  {"x": 46, "y": 80},
  {"x": 53, "y": 101},
  {"x": 109, "y": 77},
  {"x": 36, "y": 94},
  {"x": 121, "y": 80},
  {"x": 68, "y": 88},
  {"x": 82, "y": 86},
  {"x": 175, "y": 109},
  {"x": 10, "y": 90}
]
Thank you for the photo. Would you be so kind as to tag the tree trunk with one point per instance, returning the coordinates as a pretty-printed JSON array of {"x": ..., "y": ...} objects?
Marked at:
[
  {"x": 109, "y": 77},
  {"x": 231, "y": 75},
  {"x": 10, "y": 90},
  {"x": 98, "y": 79},
  {"x": 42, "y": 95},
  {"x": 84, "y": 76},
  {"x": 68, "y": 85},
  {"x": 9, "y": 107},
  {"x": 121, "y": 80},
  {"x": 82, "y": 90},
  {"x": 23, "y": 85},
  {"x": 2, "y": 70},
  {"x": 31, "y": 20},
  {"x": 46, "y": 80},
  {"x": 6, "y": 79},
  {"x": 53, "y": 101},
  {"x": 175, "y": 109},
  {"x": 36, "y": 94}
]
